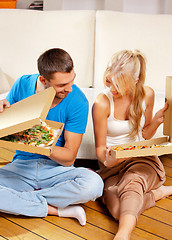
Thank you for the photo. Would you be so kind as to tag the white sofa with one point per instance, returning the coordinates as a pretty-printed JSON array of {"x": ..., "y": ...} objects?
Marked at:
[{"x": 91, "y": 37}]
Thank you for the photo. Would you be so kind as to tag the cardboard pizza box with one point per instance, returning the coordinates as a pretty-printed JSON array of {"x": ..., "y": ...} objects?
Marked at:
[
  {"x": 167, "y": 128},
  {"x": 26, "y": 114},
  {"x": 159, "y": 146},
  {"x": 164, "y": 142}
]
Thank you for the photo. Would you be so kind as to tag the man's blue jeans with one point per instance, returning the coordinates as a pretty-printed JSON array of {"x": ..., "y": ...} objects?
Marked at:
[{"x": 27, "y": 187}]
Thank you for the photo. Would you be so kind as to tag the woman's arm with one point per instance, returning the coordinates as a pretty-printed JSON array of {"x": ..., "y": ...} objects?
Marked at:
[
  {"x": 151, "y": 124},
  {"x": 100, "y": 113}
]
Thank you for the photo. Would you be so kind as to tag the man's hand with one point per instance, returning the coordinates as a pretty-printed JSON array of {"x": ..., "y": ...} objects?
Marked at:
[{"x": 4, "y": 104}]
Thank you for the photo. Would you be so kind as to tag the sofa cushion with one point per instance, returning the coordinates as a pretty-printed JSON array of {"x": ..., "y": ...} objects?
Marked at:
[
  {"x": 151, "y": 34},
  {"x": 4, "y": 84},
  {"x": 25, "y": 34},
  {"x": 87, "y": 148}
]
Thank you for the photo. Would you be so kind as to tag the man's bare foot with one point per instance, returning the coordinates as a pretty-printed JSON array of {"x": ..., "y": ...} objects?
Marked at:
[
  {"x": 162, "y": 192},
  {"x": 52, "y": 210}
]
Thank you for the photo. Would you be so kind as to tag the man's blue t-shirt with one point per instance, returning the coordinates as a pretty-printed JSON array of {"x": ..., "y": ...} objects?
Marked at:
[{"x": 72, "y": 110}]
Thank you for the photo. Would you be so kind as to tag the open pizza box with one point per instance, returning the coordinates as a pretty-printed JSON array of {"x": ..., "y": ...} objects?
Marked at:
[
  {"x": 154, "y": 146},
  {"x": 26, "y": 114}
]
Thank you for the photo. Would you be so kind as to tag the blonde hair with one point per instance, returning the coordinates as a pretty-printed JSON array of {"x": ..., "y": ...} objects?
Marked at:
[{"x": 124, "y": 68}]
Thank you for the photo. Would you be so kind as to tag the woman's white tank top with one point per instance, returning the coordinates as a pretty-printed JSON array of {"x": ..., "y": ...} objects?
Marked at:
[{"x": 118, "y": 130}]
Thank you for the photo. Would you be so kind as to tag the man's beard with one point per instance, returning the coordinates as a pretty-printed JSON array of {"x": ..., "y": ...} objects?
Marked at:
[{"x": 59, "y": 96}]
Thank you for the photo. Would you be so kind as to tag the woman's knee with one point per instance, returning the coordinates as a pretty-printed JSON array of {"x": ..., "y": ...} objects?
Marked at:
[
  {"x": 112, "y": 205},
  {"x": 111, "y": 200},
  {"x": 114, "y": 212},
  {"x": 131, "y": 182}
]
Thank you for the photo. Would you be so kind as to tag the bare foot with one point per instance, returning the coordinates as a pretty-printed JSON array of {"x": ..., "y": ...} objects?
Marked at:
[
  {"x": 162, "y": 192},
  {"x": 52, "y": 210}
]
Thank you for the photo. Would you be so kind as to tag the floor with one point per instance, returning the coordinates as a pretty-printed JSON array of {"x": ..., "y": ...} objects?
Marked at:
[{"x": 155, "y": 223}]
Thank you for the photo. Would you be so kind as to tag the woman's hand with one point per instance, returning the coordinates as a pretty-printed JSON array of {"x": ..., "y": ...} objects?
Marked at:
[
  {"x": 159, "y": 116},
  {"x": 110, "y": 160},
  {"x": 149, "y": 130}
]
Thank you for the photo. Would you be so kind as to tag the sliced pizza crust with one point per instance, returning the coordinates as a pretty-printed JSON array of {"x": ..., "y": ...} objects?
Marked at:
[
  {"x": 120, "y": 148},
  {"x": 38, "y": 136}
]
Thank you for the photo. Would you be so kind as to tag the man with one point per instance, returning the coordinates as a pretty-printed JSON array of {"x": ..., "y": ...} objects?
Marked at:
[{"x": 57, "y": 182}]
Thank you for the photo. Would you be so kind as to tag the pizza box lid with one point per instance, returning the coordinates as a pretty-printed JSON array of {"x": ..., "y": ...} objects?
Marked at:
[
  {"x": 26, "y": 113},
  {"x": 167, "y": 127}
]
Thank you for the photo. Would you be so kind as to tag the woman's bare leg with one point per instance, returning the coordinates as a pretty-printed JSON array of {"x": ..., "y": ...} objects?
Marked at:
[
  {"x": 126, "y": 225},
  {"x": 162, "y": 192},
  {"x": 128, "y": 222}
]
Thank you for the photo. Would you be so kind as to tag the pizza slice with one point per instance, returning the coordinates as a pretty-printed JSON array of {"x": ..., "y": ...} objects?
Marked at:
[
  {"x": 39, "y": 136},
  {"x": 120, "y": 148}
]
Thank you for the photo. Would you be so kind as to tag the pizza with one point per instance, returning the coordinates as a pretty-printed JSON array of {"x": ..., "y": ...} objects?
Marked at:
[
  {"x": 40, "y": 136},
  {"x": 120, "y": 148}
]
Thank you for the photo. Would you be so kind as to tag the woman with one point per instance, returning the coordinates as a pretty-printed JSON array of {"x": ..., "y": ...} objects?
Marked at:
[{"x": 122, "y": 113}]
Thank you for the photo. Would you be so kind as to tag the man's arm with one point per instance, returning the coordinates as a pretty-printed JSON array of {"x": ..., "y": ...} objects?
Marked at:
[
  {"x": 66, "y": 155},
  {"x": 75, "y": 121}
]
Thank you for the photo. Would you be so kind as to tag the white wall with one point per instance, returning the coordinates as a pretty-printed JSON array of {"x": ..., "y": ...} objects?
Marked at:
[
  {"x": 23, "y": 4},
  {"x": 84, "y": 4},
  {"x": 144, "y": 6},
  {"x": 52, "y": 5},
  {"x": 73, "y": 4},
  {"x": 168, "y": 7},
  {"x": 116, "y": 5},
  {"x": 134, "y": 6}
]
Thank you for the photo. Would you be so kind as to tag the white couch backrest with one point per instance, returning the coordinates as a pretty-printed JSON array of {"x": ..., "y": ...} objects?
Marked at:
[
  {"x": 152, "y": 34},
  {"x": 25, "y": 34}
]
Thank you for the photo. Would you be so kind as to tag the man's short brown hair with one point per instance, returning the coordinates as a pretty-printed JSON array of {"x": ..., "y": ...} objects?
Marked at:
[{"x": 54, "y": 60}]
